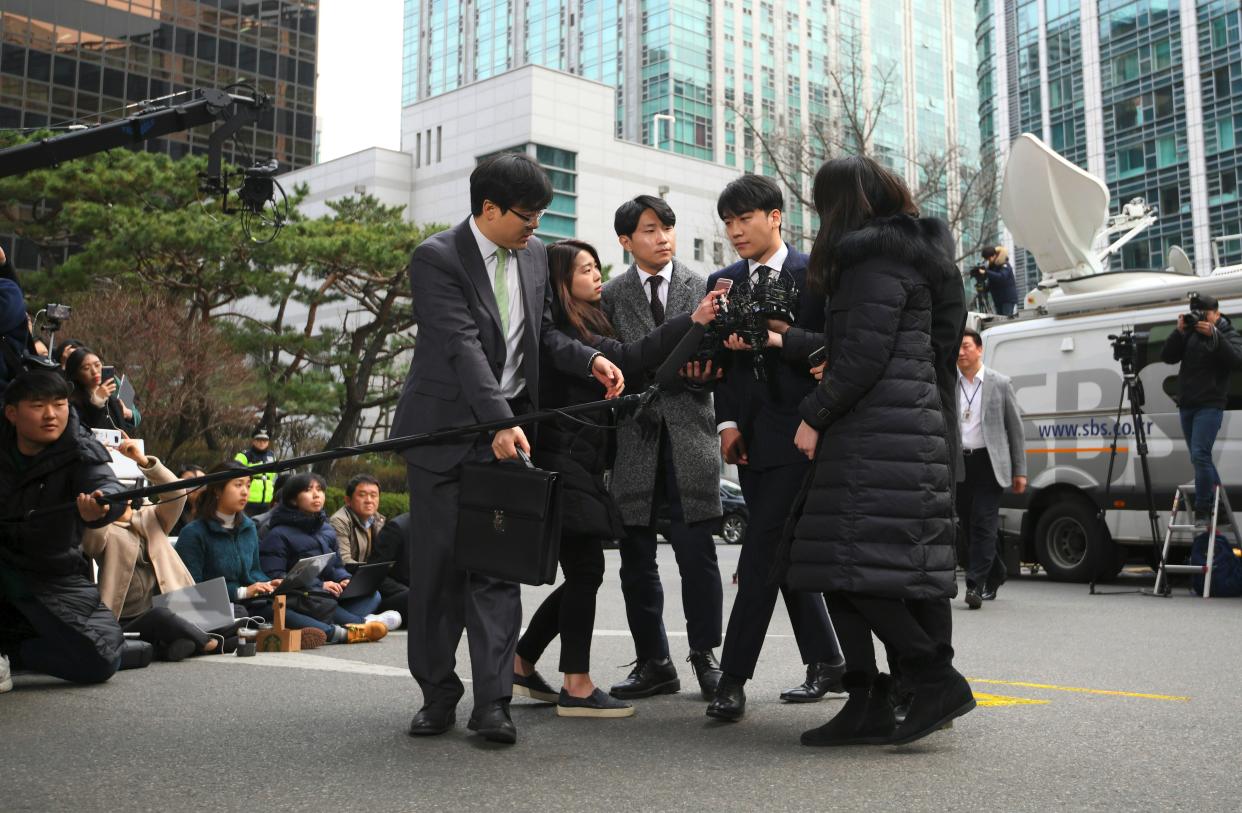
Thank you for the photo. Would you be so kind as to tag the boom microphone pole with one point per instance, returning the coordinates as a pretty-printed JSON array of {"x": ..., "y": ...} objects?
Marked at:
[{"x": 391, "y": 445}]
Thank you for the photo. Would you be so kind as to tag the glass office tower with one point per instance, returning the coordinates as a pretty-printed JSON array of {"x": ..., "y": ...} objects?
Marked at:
[
  {"x": 1145, "y": 94},
  {"x": 83, "y": 61},
  {"x": 692, "y": 76}
]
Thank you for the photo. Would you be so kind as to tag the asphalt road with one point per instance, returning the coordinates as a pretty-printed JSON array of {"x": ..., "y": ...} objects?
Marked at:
[{"x": 326, "y": 730}]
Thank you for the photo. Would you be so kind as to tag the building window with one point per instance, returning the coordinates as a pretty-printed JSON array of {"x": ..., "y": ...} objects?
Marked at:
[
  {"x": 439, "y": 144},
  {"x": 718, "y": 253},
  {"x": 1130, "y": 162},
  {"x": 698, "y": 250},
  {"x": 1166, "y": 151}
]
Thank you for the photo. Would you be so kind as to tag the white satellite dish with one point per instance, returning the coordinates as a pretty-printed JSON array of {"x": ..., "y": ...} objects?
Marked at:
[
  {"x": 1179, "y": 263},
  {"x": 1053, "y": 208}
]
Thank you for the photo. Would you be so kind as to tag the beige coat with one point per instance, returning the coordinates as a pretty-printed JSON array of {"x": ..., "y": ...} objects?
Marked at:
[
  {"x": 351, "y": 538},
  {"x": 115, "y": 547}
]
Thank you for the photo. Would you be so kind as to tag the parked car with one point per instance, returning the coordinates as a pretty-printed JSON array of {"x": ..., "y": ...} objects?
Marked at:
[{"x": 733, "y": 519}]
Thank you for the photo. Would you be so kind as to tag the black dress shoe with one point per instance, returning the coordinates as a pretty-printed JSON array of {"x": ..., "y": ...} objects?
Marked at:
[
  {"x": 432, "y": 720},
  {"x": 821, "y": 678},
  {"x": 988, "y": 593},
  {"x": 974, "y": 597},
  {"x": 493, "y": 723},
  {"x": 648, "y": 678},
  {"x": 730, "y": 701},
  {"x": 707, "y": 670},
  {"x": 534, "y": 687}
]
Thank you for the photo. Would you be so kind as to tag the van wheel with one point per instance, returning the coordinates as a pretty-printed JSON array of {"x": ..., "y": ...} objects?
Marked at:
[{"x": 1068, "y": 539}]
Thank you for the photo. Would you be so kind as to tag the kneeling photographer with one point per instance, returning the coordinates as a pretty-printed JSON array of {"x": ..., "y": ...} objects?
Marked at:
[{"x": 1208, "y": 348}]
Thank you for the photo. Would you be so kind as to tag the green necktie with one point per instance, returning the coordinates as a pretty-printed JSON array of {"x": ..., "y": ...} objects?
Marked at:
[{"x": 500, "y": 286}]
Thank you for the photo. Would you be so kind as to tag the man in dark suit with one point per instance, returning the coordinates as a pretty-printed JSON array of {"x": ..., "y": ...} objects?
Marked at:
[
  {"x": 677, "y": 467},
  {"x": 756, "y": 421},
  {"x": 483, "y": 308}
]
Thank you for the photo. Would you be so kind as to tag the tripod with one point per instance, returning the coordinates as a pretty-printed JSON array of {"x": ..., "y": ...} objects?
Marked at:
[{"x": 1131, "y": 391}]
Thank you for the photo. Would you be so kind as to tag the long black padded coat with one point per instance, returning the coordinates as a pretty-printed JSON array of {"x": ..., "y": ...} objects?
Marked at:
[{"x": 878, "y": 513}]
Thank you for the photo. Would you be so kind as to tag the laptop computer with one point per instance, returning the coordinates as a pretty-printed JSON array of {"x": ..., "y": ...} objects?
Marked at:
[
  {"x": 303, "y": 574},
  {"x": 205, "y": 605},
  {"x": 366, "y": 580}
]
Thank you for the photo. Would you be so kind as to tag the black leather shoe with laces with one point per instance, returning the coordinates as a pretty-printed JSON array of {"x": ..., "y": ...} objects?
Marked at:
[
  {"x": 648, "y": 678},
  {"x": 707, "y": 670},
  {"x": 821, "y": 678},
  {"x": 730, "y": 702}
]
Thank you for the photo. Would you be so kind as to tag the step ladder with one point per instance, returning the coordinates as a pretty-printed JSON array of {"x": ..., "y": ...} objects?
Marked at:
[{"x": 1183, "y": 503}]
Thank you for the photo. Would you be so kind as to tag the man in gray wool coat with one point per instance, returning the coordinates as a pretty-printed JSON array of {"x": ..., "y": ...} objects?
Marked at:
[{"x": 677, "y": 468}]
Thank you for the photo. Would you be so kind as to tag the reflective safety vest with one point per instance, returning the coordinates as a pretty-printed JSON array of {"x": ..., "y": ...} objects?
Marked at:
[{"x": 262, "y": 486}]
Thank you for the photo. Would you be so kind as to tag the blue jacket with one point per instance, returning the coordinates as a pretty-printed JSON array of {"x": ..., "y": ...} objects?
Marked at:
[
  {"x": 210, "y": 551},
  {"x": 767, "y": 413},
  {"x": 295, "y": 535},
  {"x": 1001, "y": 285}
]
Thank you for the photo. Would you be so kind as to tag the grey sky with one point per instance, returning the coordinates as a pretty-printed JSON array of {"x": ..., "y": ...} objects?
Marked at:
[{"x": 359, "y": 87}]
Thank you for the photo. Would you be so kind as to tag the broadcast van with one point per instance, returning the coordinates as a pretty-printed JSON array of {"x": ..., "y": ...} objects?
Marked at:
[{"x": 1064, "y": 357}]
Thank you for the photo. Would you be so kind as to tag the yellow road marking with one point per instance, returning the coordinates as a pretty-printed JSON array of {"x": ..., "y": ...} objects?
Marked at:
[
  {"x": 996, "y": 700},
  {"x": 1080, "y": 690}
]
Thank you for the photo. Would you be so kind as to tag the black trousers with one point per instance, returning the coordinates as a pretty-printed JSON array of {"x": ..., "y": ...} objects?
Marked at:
[
  {"x": 915, "y": 635},
  {"x": 978, "y": 507},
  {"x": 65, "y": 631},
  {"x": 769, "y": 497},
  {"x": 159, "y": 627},
  {"x": 694, "y": 546},
  {"x": 445, "y": 601},
  {"x": 570, "y": 609}
]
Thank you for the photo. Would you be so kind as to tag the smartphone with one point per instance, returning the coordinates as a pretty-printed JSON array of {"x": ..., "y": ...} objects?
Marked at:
[
  {"x": 818, "y": 357},
  {"x": 110, "y": 438},
  {"x": 723, "y": 285},
  {"x": 109, "y": 373}
]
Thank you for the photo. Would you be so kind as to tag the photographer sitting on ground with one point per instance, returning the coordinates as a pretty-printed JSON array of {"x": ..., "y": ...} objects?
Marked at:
[
  {"x": 137, "y": 562},
  {"x": 358, "y": 525},
  {"x": 300, "y": 529},
  {"x": 94, "y": 395},
  {"x": 1208, "y": 348},
  {"x": 51, "y": 617}
]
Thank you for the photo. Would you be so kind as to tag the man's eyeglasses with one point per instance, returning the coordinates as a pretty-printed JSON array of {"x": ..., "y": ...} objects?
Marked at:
[{"x": 529, "y": 218}]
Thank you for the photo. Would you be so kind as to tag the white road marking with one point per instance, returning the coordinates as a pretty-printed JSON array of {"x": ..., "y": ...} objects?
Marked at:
[{"x": 305, "y": 660}]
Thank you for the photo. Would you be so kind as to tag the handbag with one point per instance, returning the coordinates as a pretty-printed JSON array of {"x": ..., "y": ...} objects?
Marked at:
[{"x": 509, "y": 521}]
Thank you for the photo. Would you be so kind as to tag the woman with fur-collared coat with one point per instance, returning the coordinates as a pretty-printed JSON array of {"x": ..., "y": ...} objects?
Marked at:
[{"x": 875, "y": 533}]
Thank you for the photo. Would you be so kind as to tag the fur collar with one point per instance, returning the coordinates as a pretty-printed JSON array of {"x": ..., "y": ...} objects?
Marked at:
[{"x": 923, "y": 243}]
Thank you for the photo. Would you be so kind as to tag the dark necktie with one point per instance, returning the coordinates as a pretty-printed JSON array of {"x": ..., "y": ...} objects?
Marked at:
[
  {"x": 657, "y": 307},
  {"x": 764, "y": 273}
]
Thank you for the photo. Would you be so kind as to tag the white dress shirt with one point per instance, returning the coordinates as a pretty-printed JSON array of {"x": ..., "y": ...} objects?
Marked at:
[
  {"x": 970, "y": 395},
  {"x": 666, "y": 273},
  {"x": 512, "y": 383},
  {"x": 776, "y": 262}
]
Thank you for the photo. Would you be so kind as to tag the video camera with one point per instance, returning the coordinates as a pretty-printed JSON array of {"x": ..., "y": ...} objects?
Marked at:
[
  {"x": 746, "y": 313},
  {"x": 1127, "y": 350}
]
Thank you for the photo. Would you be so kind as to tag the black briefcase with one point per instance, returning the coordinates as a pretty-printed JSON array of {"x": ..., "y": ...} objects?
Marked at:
[{"x": 509, "y": 522}]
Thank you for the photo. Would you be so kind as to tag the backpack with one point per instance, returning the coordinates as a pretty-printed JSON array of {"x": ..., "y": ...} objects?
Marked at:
[{"x": 1226, "y": 568}]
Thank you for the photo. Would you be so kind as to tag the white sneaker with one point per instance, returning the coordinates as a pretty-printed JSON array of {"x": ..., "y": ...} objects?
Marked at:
[
  {"x": 6, "y": 677},
  {"x": 389, "y": 618}
]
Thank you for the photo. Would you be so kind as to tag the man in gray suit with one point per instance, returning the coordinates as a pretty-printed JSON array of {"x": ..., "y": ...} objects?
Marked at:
[
  {"x": 483, "y": 308},
  {"x": 678, "y": 467},
  {"x": 993, "y": 459}
]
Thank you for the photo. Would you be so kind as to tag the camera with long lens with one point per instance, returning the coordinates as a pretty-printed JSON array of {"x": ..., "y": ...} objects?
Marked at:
[
  {"x": 1197, "y": 312},
  {"x": 747, "y": 313},
  {"x": 1127, "y": 349}
]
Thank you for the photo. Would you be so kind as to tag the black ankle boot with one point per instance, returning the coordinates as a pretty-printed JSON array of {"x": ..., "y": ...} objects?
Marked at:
[
  {"x": 940, "y": 695},
  {"x": 865, "y": 719}
]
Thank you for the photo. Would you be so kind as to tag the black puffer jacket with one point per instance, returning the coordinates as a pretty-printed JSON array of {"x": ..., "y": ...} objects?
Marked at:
[
  {"x": 1207, "y": 361},
  {"x": 49, "y": 547},
  {"x": 580, "y": 452},
  {"x": 878, "y": 516}
]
